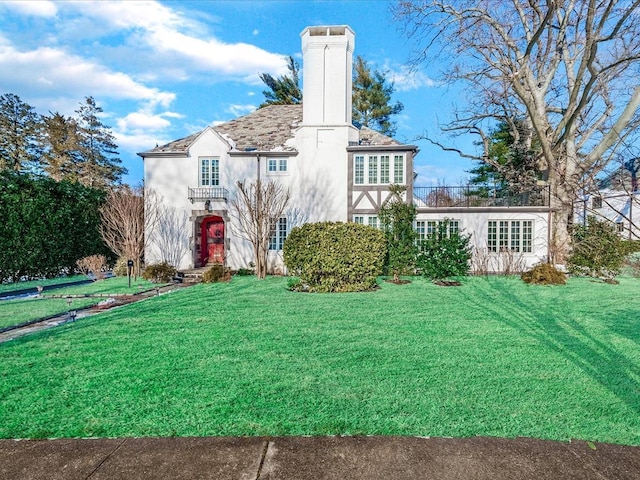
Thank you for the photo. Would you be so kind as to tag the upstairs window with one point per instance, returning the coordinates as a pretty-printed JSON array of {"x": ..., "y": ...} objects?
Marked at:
[
  {"x": 209, "y": 172},
  {"x": 378, "y": 170},
  {"x": 359, "y": 170},
  {"x": 277, "y": 166}
]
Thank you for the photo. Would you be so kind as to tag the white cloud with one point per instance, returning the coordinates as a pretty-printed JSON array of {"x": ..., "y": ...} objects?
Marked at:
[
  {"x": 177, "y": 39},
  {"x": 52, "y": 71},
  {"x": 136, "y": 121},
  {"x": 405, "y": 79},
  {"x": 238, "y": 110},
  {"x": 39, "y": 8}
]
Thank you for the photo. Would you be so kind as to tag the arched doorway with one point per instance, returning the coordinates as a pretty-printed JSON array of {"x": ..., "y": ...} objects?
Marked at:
[{"x": 212, "y": 235}]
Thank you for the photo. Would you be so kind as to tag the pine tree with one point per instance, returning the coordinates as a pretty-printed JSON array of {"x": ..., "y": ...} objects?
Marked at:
[
  {"x": 284, "y": 90},
  {"x": 100, "y": 162},
  {"x": 19, "y": 134},
  {"x": 371, "y": 99},
  {"x": 60, "y": 147}
]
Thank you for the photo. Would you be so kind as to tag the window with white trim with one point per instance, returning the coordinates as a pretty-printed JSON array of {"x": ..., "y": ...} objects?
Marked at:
[
  {"x": 277, "y": 166},
  {"x": 398, "y": 169},
  {"x": 513, "y": 235},
  {"x": 384, "y": 169},
  {"x": 209, "y": 172},
  {"x": 378, "y": 170},
  {"x": 373, "y": 169},
  {"x": 373, "y": 221},
  {"x": 358, "y": 170},
  {"x": 276, "y": 242},
  {"x": 426, "y": 229},
  {"x": 358, "y": 219}
]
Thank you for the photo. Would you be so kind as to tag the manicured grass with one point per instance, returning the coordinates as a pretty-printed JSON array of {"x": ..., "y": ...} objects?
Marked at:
[
  {"x": 14, "y": 312},
  {"x": 12, "y": 287},
  {"x": 494, "y": 357}
]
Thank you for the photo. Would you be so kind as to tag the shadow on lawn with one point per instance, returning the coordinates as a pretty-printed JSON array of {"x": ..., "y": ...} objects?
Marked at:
[{"x": 558, "y": 329}]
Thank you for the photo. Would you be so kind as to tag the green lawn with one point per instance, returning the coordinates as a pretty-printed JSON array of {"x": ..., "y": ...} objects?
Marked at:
[
  {"x": 494, "y": 357},
  {"x": 15, "y": 312}
]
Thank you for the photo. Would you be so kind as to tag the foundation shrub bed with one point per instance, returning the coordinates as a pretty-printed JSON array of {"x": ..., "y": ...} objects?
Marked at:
[
  {"x": 335, "y": 256},
  {"x": 598, "y": 251},
  {"x": 159, "y": 272},
  {"x": 217, "y": 273}
]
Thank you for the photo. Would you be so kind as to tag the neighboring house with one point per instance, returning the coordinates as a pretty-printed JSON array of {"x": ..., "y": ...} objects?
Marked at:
[
  {"x": 620, "y": 206},
  {"x": 335, "y": 172}
]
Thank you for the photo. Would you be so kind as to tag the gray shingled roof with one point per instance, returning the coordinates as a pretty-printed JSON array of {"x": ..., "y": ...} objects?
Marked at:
[{"x": 266, "y": 129}]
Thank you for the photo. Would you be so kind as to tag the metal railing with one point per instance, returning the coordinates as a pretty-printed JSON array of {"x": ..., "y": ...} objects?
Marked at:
[
  {"x": 473, "y": 196},
  {"x": 202, "y": 194}
]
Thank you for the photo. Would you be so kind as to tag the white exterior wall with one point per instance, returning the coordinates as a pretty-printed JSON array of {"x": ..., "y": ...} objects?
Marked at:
[{"x": 476, "y": 223}]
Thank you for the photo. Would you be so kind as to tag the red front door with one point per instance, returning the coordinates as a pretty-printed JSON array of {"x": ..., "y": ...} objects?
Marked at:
[{"x": 212, "y": 240}]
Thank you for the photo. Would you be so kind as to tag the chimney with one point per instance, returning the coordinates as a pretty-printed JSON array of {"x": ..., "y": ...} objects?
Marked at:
[{"x": 327, "y": 54}]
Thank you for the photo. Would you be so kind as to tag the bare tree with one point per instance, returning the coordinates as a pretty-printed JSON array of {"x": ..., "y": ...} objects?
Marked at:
[
  {"x": 257, "y": 208},
  {"x": 126, "y": 214},
  {"x": 567, "y": 67},
  {"x": 171, "y": 235}
]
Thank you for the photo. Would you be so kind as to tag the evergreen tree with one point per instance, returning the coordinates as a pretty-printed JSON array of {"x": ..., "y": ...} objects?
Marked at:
[
  {"x": 509, "y": 166},
  {"x": 371, "y": 99},
  {"x": 60, "y": 147},
  {"x": 100, "y": 162},
  {"x": 396, "y": 217},
  {"x": 19, "y": 134},
  {"x": 284, "y": 90}
]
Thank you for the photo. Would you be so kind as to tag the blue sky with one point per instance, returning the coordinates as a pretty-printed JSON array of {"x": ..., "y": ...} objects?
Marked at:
[{"x": 164, "y": 70}]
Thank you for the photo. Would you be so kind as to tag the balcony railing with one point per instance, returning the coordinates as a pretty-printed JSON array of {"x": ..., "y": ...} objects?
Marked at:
[
  {"x": 202, "y": 194},
  {"x": 468, "y": 197}
]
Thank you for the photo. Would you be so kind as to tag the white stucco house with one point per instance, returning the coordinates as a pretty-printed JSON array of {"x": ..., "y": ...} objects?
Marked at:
[{"x": 334, "y": 171}]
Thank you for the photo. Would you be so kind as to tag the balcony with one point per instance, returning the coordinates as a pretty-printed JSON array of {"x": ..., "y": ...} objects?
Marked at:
[
  {"x": 474, "y": 197},
  {"x": 202, "y": 194}
]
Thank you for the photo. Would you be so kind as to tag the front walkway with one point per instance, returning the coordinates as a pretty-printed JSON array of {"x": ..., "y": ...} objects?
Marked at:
[{"x": 291, "y": 458}]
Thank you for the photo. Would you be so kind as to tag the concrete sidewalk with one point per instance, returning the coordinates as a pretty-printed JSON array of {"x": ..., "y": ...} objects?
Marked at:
[{"x": 388, "y": 458}]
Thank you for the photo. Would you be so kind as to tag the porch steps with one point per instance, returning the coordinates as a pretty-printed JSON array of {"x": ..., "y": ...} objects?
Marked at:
[{"x": 193, "y": 275}]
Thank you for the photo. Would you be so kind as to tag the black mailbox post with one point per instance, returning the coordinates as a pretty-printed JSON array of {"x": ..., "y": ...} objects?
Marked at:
[{"x": 129, "y": 267}]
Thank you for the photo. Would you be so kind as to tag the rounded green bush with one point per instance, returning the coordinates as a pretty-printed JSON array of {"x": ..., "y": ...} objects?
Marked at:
[
  {"x": 217, "y": 273},
  {"x": 335, "y": 256},
  {"x": 159, "y": 273}
]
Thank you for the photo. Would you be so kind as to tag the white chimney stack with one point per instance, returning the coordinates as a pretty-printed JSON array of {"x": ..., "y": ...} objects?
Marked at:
[{"x": 327, "y": 54}]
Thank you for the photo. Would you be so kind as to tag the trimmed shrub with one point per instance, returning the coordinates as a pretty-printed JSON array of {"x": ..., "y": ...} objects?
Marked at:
[
  {"x": 444, "y": 254},
  {"x": 633, "y": 262},
  {"x": 598, "y": 251},
  {"x": 159, "y": 273},
  {"x": 217, "y": 273},
  {"x": 120, "y": 269},
  {"x": 544, "y": 274},
  {"x": 335, "y": 256}
]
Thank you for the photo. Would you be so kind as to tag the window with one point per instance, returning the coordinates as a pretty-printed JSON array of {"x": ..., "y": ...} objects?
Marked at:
[
  {"x": 596, "y": 202},
  {"x": 373, "y": 169},
  {"x": 359, "y": 170},
  {"x": 398, "y": 169},
  {"x": 358, "y": 219},
  {"x": 276, "y": 242},
  {"x": 430, "y": 227},
  {"x": 275, "y": 165},
  {"x": 373, "y": 222},
  {"x": 620, "y": 227},
  {"x": 378, "y": 170},
  {"x": 384, "y": 169},
  {"x": 514, "y": 235},
  {"x": 209, "y": 172}
]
